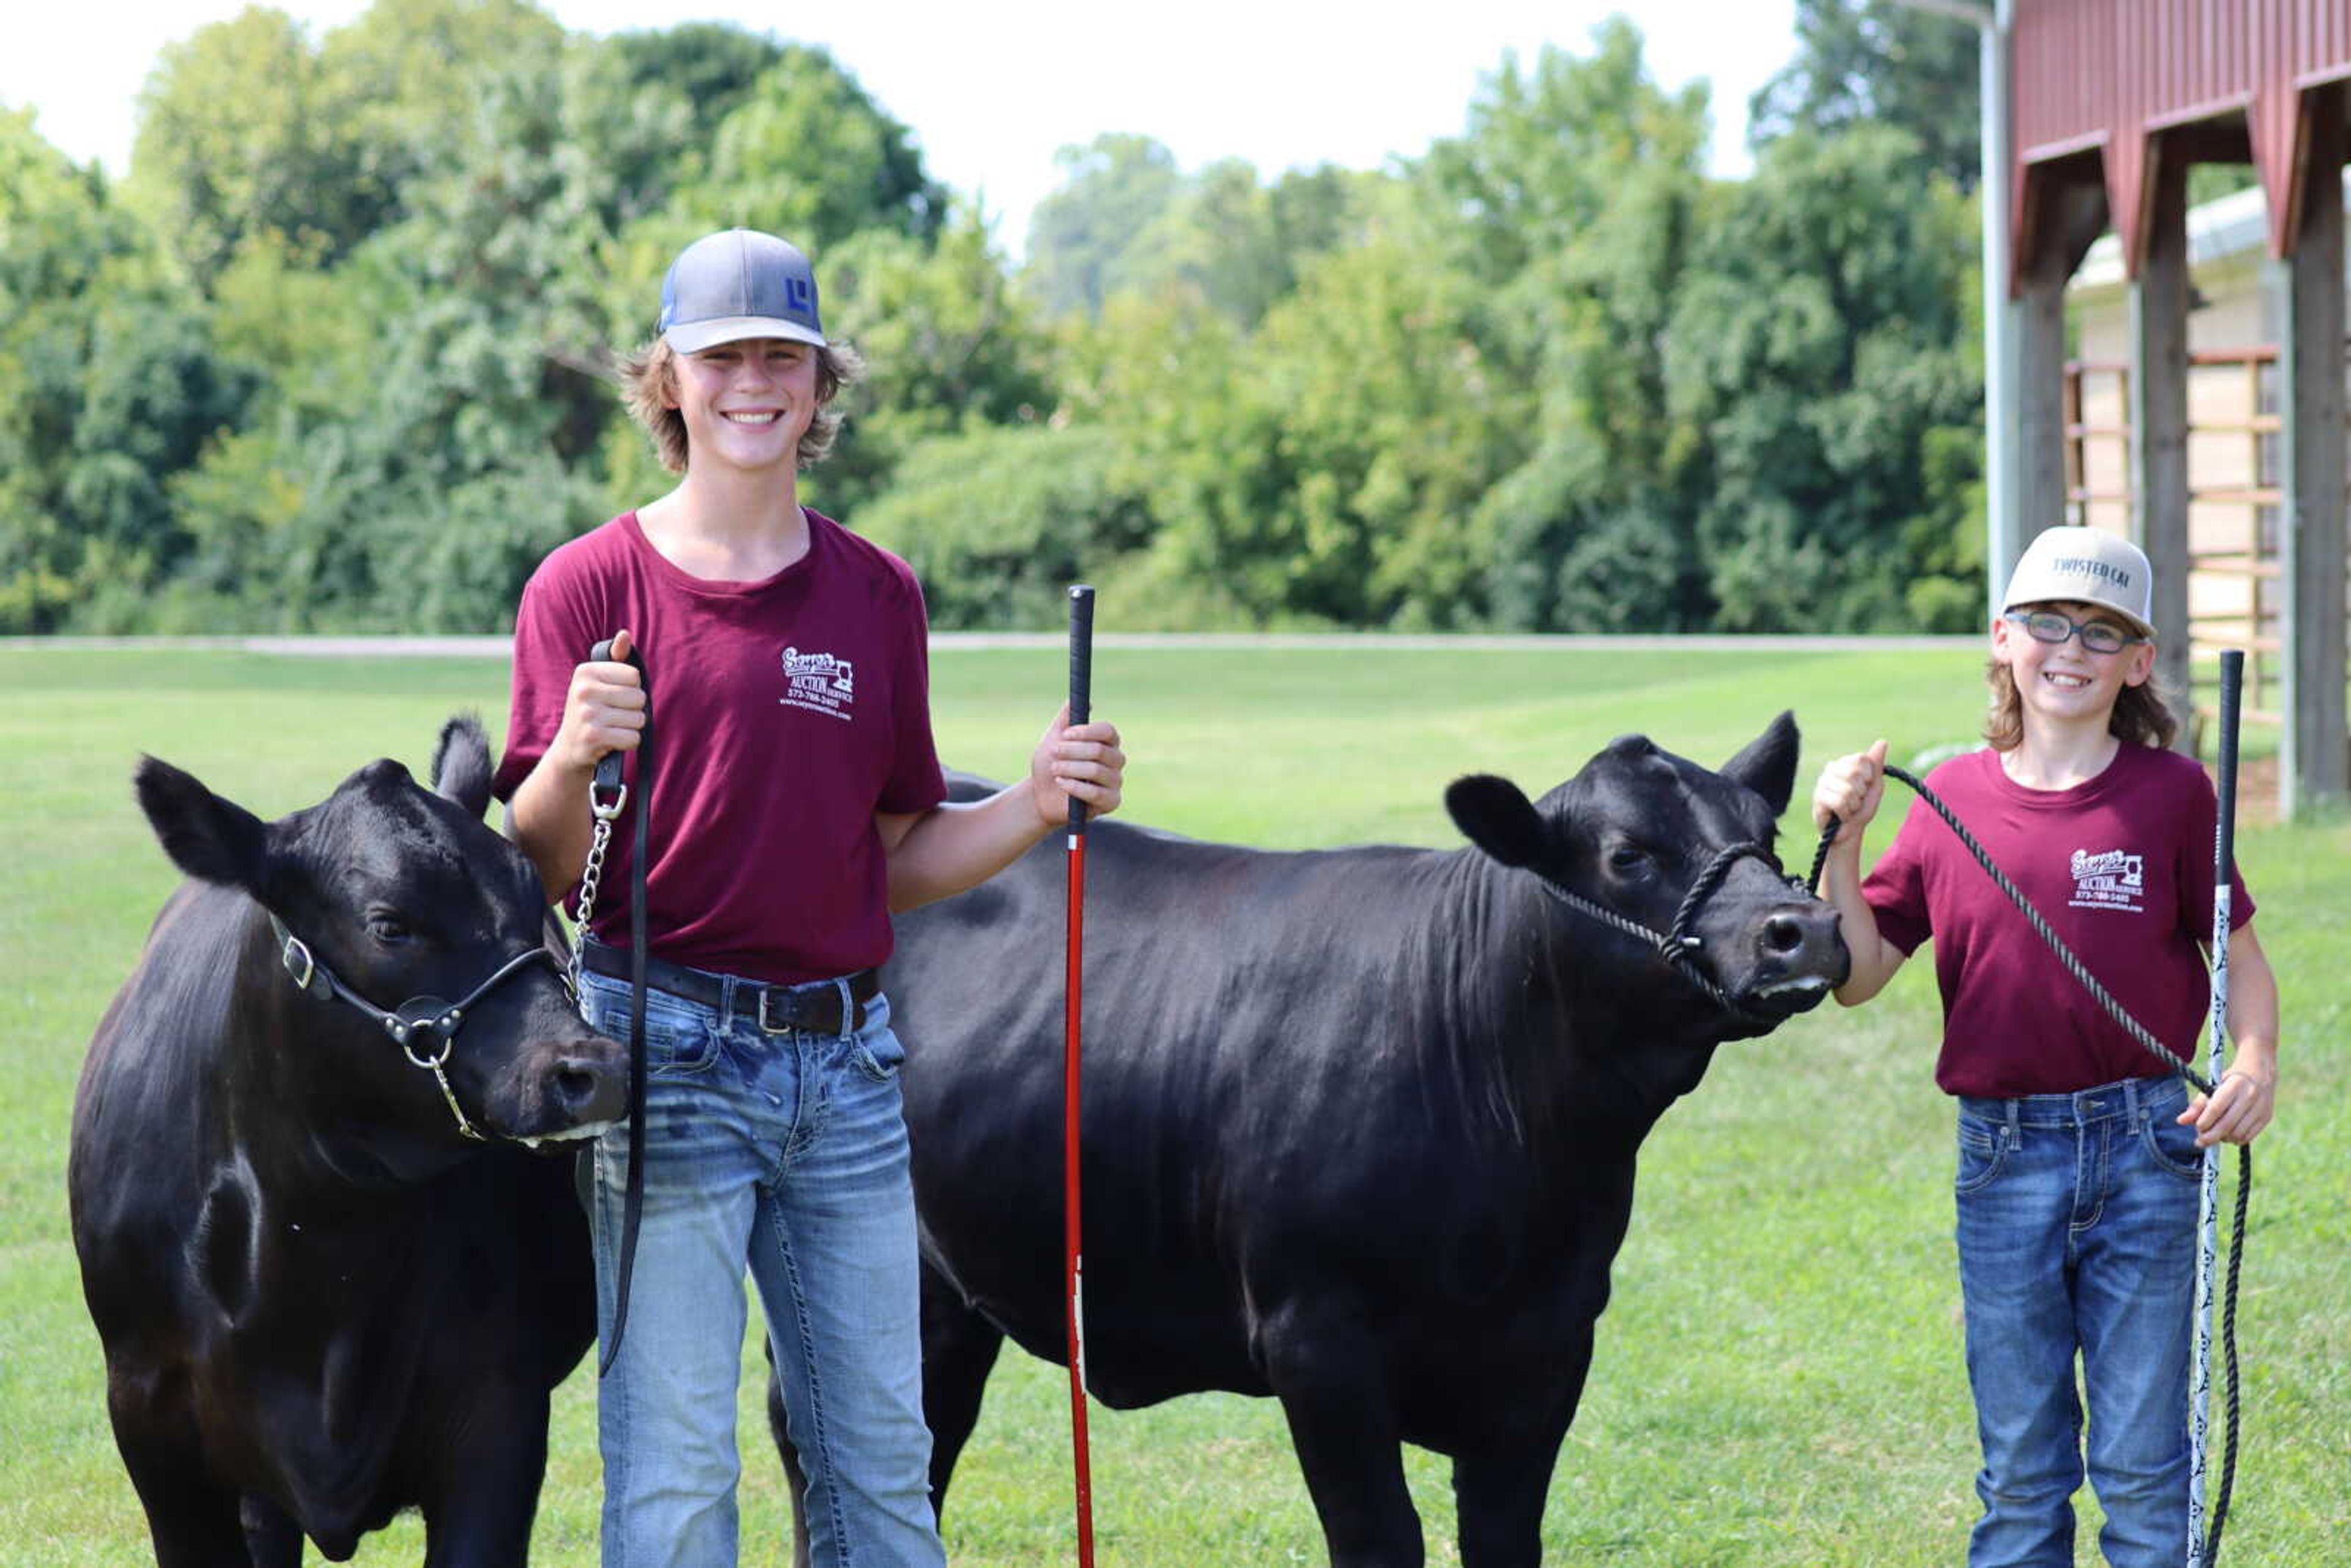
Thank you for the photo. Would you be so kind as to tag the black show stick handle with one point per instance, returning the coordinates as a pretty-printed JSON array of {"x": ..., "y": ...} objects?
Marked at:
[
  {"x": 2232, "y": 681},
  {"x": 1081, "y": 674}
]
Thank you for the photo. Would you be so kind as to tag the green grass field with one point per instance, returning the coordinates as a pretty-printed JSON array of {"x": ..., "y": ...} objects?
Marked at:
[{"x": 1778, "y": 1381}]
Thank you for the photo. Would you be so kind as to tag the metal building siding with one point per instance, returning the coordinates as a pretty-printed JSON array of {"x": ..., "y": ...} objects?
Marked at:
[{"x": 2111, "y": 74}]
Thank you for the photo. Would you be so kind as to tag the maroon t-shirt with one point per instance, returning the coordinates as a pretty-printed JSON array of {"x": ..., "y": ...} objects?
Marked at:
[
  {"x": 785, "y": 712},
  {"x": 2122, "y": 868}
]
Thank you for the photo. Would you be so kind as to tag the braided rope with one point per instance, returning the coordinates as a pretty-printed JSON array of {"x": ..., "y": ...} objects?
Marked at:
[
  {"x": 1678, "y": 941},
  {"x": 2139, "y": 1032}
]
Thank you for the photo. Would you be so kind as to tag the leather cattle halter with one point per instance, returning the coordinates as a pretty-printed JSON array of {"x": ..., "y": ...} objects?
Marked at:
[
  {"x": 1679, "y": 943},
  {"x": 418, "y": 1023}
]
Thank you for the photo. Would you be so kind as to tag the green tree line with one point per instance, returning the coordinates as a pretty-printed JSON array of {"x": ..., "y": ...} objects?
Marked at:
[{"x": 336, "y": 351}]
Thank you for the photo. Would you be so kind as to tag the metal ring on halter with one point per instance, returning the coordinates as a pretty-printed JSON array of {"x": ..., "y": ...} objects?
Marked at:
[{"x": 414, "y": 1017}]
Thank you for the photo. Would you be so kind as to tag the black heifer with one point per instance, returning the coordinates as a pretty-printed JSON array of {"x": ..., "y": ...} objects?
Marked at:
[
  {"x": 1360, "y": 1125},
  {"x": 321, "y": 1300}
]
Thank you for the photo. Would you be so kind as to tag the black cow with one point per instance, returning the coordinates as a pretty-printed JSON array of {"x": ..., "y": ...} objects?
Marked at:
[
  {"x": 1360, "y": 1125},
  {"x": 321, "y": 1300}
]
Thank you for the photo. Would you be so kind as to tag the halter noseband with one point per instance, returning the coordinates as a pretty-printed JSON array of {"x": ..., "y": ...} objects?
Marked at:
[
  {"x": 1677, "y": 944},
  {"x": 416, "y": 1022}
]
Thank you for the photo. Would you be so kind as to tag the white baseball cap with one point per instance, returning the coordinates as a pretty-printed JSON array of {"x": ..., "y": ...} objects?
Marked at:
[
  {"x": 739, "y": 283},
  {"x": 2088, "y": 566}
]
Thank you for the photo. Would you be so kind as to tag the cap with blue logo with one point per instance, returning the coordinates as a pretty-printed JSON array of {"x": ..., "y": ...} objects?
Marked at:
[{"x": 739, "y": 283}]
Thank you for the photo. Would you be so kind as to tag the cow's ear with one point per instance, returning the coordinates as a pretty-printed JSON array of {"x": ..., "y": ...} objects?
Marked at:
[
  {"x": 461, "y": 764},
  {"x": 208, "y": 838},
  {"x": 1767, "y": 764},
  {"x": 1496, "y": 815}
]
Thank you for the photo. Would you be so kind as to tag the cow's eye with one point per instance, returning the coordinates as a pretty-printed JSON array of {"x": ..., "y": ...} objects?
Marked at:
[
  {"x": 1626, "y": 860},
  {"x": 388, "y": 929}
]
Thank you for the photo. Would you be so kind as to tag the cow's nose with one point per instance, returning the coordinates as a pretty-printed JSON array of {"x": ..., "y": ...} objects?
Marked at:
[
  {"x": 1783, "y": 935},
  {"x": 587, "y": 1088}
]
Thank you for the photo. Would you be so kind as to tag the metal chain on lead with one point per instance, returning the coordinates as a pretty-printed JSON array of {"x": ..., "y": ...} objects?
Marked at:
[
  {"x": 605, "y": 812},
  {"x": 588, "y": 879}
]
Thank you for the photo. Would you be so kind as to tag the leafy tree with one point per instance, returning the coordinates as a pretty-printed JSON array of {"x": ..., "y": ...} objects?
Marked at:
[
  {"x": 246, "y": 125},
  {"x": 1862, "y": 60},
  {"x": 1393, "y": 424},
  {"x": 402, "y": 82},
  {"x": 237, "y": 132},
  {"x": 948, "y": 343},
  {"x": 802, "y": 152},
  {"x": 1080, "y": 236},
  {"x": 1175, "y": 383},
  {"x": 644, "y": 107},
  {"x": 1238, "y": 245},
  {"x": 109, "y": 386},
  {"x": 998, "y": 519},
  {"x": 1820, "y": 344},
  {"x": 1550, "y": 377},
  {"x": 1317, "y": 210},
  {"x": 1574, "y": 198},
  {"x": 428, "y": 435},
  {"x": 809, "y": 155}
]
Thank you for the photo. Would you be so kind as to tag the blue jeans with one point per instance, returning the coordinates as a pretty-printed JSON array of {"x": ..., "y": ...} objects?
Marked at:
[
  {"x": 785, "y": 1154},
  {"x": 2078, "y": 1234}
]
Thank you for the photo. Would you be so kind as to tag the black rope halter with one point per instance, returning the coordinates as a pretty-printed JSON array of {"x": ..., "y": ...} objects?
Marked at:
[{"x": 1678, "y": 945}]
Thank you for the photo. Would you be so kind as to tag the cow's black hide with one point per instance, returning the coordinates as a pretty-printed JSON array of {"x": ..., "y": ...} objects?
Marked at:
[
  {"x": 1360, "y": 1125},
  {"x": 319, "y": 1303}
]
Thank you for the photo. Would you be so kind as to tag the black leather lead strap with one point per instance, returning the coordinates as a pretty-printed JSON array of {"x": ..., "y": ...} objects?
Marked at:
[{"x": 608, "y": 778}]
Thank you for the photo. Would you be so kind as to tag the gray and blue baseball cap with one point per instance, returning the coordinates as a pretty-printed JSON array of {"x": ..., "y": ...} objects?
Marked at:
[{"x": 739, "y": 283}]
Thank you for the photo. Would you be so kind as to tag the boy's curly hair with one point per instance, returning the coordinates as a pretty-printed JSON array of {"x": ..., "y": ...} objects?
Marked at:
[{"x": 649, "y": 382}]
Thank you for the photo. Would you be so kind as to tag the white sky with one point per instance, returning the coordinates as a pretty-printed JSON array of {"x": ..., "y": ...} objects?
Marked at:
[{"x": 991, "y": 91}]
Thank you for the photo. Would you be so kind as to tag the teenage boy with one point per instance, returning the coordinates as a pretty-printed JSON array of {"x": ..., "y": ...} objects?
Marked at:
[{"x": 797, "y": 801}]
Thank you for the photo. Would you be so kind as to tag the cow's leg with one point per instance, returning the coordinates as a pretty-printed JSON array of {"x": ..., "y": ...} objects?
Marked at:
[
  {"x": 194, "y": 1521},
  {"x": 1332, "y": 1380},
  {"x": 272, "y": 1538},
  {"x": 1499, "y": 1493},
  {"x": 960, "y": 1349},
  {"x": 484, "y": 1499},
  {"x": 1498, "y": 1490}
]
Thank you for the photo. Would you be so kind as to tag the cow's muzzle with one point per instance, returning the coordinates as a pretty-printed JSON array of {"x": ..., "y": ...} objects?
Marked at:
[
  {"x": 1681, "y": 946},
  {"x": 566, "y": 1091},
  {"x": 424, "y": 1027}
]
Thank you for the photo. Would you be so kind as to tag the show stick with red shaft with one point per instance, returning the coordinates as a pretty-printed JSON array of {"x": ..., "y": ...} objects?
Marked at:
[{"x": 1081, "y": 658}]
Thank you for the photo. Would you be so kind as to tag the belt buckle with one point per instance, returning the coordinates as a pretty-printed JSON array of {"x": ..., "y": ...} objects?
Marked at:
[{"x": 769, "y": 994}]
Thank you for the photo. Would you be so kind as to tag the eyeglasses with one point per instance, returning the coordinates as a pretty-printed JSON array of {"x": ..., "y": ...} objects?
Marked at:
[{"x": 2097, "y": 636}]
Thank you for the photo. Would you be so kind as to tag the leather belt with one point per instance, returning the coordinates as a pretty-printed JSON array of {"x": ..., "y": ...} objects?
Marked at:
[{"x": 813, "y": 1008}]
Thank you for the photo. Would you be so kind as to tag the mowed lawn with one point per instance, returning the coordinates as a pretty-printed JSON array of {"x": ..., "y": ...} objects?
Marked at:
[{"x": 1778, "y": 1380}]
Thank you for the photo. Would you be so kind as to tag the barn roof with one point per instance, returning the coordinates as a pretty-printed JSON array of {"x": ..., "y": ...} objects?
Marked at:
[{"x": 2102, "y": 90}]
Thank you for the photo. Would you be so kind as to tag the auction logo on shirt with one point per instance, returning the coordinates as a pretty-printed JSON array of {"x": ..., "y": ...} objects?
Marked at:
[
  {"x": 2109, "y": 879},
  {"x": 818, "y": 683}
]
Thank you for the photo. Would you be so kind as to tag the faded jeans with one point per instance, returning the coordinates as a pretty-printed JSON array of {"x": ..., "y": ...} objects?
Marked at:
[
  {"x": 785, "y": 1154},
  {"x": 2078, "y": 1234}
]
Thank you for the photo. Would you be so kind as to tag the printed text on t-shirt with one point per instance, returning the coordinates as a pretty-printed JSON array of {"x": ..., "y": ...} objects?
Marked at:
[
  {"x": 2109, "y": 879},
  {"x": 818, "y": 683}
]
